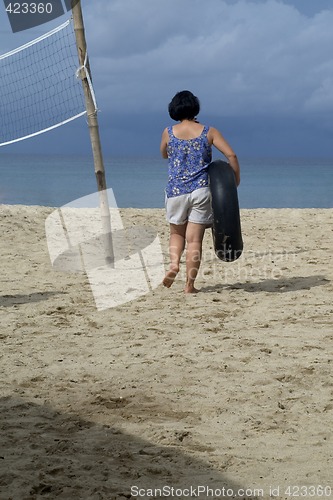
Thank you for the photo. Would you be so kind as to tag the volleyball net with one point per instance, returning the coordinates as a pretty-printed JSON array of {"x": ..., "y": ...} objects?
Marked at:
[{"x": 40, "y": 85}]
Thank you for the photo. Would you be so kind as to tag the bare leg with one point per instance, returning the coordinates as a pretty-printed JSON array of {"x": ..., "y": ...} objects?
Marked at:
[
  {"x": 194, "y": 236},
  {"x": 176, "y": 248}
]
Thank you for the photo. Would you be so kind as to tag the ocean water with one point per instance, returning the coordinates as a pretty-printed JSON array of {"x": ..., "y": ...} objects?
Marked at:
[{"x": 139, "y": 182}]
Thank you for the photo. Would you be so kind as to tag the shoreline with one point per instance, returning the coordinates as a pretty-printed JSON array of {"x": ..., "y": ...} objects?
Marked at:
[{"x": 231, "y": 387}]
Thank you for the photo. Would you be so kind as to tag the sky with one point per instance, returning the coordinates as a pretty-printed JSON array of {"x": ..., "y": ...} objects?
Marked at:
[{"x": 262, "y": 69}]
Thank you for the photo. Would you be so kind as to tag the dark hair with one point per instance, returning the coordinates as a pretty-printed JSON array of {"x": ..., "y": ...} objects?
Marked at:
[{"x": 184, "y": 106}]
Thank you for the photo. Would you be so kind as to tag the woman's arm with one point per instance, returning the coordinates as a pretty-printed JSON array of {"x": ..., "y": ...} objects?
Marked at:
[
  {"x": 164, "y": 143},
  {"x": 217, "y": 140}
]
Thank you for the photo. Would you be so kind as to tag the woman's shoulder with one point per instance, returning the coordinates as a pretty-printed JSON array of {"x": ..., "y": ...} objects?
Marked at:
[
  {"x": 167, "y": 131},
  {"x": 212, "y": 131}
]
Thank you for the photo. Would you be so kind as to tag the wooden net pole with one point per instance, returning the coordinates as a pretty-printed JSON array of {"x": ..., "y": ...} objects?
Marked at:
[{"x": 93, "y": 128}]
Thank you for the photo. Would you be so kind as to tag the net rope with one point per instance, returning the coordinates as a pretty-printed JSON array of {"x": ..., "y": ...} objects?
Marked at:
[{"x": 40, "y": 86}]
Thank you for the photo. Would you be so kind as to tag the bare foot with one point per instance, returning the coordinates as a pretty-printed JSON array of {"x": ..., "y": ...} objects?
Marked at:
[
  {"x": 191, "y": 289},
  {"x": 170, "y": 277}
]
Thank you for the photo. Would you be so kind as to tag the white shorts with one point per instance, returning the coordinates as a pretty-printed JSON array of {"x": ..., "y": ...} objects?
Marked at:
[{"x": 192, "y": 207}]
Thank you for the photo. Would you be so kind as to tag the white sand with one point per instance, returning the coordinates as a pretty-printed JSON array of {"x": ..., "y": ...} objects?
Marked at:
[{"x": 229, "y": 388}]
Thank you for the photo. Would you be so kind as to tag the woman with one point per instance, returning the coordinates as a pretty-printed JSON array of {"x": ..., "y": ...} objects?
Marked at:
[{"x": 188, "y": 148}]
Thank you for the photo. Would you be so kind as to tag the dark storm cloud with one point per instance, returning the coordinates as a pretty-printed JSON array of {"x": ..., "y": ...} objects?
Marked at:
[{"x": 242, "y": 57}]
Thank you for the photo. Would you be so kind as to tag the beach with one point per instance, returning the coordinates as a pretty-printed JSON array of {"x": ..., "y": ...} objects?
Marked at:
[{"x": 230, "y": 389}]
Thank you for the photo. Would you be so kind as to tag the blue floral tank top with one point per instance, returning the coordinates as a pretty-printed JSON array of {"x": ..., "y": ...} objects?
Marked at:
[{"x": 188, "y": 161}]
